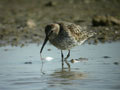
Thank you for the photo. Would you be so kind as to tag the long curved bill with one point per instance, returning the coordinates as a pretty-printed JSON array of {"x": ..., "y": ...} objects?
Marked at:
[{"x": 45, "y": 41}]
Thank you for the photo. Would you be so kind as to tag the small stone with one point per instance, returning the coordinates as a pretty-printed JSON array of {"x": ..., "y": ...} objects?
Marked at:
[
  {"x": 28, "y": 63},
  {"x": 49, "y": 49},
  {"x": 74, "y": 61},
  {"x": 106, "y": 57},
  {"x": 50, "y": 3},
  {"x": 116, "y": 63}
]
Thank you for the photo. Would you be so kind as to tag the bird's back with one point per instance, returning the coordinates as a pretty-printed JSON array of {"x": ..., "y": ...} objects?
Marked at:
[
  {"x": 75, "y": 31},
  {"x": 70, "y": 35}
]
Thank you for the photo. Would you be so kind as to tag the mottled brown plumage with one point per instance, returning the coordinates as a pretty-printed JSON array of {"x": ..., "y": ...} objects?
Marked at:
[
  {"x": 79, "y": 33},
  {"x": 65, "y": 36}
]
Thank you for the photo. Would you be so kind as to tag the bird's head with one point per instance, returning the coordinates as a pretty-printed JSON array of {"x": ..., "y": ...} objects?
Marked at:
[{"x": 51, "y": 31}]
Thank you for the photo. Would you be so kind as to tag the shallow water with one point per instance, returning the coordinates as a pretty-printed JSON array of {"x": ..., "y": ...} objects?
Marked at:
[{"x": 20, "y": 68}]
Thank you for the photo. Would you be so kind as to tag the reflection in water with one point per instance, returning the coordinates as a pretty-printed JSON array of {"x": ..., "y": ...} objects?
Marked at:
[
  {"x": 97, "y": 73},
  {"x": 41, "y": 70},
  {"x": 71, "y": 75},
  {"x": 65, "y": 77}
]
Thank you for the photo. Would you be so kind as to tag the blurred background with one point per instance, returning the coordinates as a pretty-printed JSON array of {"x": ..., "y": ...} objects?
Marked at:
[{"x": 23, "y": 21}]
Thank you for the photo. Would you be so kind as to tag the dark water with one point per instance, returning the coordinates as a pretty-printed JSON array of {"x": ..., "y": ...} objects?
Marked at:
[{"x": 20, "y": 68}]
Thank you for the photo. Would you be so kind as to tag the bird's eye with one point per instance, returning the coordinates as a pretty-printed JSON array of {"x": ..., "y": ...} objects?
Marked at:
[{"x": 51, "y": 32}]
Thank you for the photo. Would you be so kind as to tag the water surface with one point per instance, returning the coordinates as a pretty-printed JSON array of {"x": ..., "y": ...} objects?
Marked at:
[{"x": 96, "y": 73}]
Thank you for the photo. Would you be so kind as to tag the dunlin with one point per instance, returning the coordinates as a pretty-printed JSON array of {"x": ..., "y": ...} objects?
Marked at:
[{"x": 65, "y": 36}]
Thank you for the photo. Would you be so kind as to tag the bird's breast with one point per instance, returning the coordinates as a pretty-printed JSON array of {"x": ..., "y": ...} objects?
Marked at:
[{"x": 63, "y": 43}]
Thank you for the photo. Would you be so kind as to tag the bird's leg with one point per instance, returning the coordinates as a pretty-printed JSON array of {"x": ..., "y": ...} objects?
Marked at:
[
  {"x": 67, "y": 58},
  {"x": 62, "y": 59},
  {"x": 68, "y": 55}
]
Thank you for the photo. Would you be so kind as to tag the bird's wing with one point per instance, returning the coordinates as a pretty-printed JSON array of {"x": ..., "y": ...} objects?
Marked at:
[{"x": 76, "y": 31}]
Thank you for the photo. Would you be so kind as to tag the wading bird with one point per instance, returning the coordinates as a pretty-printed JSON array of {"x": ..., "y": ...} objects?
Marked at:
[{"x": 65, "y": 36}]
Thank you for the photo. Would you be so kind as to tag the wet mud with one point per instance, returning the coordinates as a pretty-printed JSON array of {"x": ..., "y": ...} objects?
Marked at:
[{"x": 22, "y": 22}]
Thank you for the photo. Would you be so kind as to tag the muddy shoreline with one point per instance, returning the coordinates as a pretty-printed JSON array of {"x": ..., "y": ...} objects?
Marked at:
[{"x": 22, "y": 22}]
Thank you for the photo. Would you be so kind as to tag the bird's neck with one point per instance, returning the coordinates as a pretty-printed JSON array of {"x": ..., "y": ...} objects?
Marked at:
[{"x": 53, "y": 36}]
